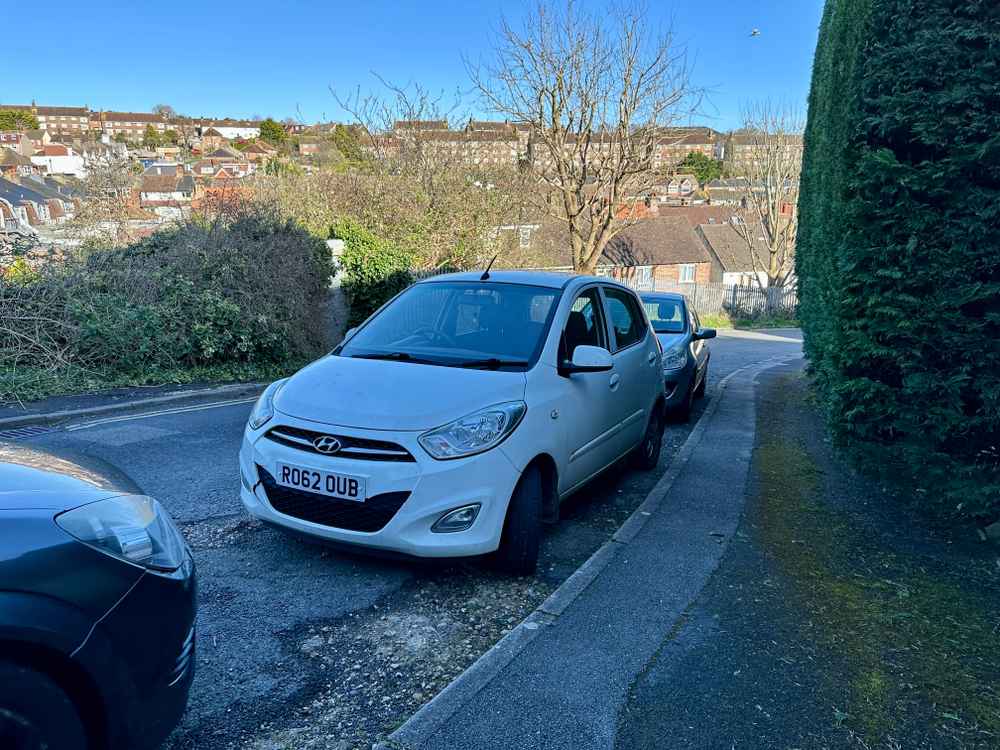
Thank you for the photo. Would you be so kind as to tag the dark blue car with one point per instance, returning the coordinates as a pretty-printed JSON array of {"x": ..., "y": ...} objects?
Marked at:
[
  {"x": 97, "y": 608},
  {"x": 685, "y": 354}
]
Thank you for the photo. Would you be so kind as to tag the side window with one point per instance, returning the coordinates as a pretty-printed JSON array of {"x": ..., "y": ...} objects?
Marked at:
[
  {"x": 584, "y": 326},
  {"x": 627, "y": 319}
]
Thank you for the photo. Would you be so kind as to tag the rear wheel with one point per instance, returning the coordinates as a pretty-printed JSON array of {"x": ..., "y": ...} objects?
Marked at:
[
  {"x": 35, "y": 713},
  {"x": 647, "y": 454},
  {"x": 522, "y": 529}
]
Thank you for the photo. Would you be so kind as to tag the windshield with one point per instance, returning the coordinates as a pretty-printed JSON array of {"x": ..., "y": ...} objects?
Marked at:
[
  {"x": 666, "y": 314},
  {"x": 460, "y": 324}
]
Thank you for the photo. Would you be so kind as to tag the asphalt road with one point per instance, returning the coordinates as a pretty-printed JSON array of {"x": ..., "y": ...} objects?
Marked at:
[{"x": 259, "y": 588}]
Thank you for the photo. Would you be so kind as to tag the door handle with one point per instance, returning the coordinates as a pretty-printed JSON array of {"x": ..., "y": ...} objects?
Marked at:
[{"x": 615, "y": 380}]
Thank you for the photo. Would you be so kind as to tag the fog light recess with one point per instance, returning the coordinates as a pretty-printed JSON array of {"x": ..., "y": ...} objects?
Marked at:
[{"x": 458, "y": 519}]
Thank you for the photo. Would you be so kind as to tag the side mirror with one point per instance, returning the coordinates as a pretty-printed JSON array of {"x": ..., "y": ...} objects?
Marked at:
[
  {"x": 704, "y": 333},
  {"x": 588, "y": 359}
]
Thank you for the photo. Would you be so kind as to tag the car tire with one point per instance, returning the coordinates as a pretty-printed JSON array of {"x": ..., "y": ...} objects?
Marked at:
[
  {"x": 522, "y": 528},
  {"x": 37, "y": 714},
  {"x": 682, "y": 411},
  {"x": 699, "y": 392},
  {"x": 647, "y": 455}
]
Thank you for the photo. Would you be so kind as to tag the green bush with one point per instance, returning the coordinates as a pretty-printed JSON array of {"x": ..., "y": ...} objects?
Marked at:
[
  {"x": 245, "y": 293},
  {"x": 898, "y": 254},
  {"x": 375, "y": 270}
]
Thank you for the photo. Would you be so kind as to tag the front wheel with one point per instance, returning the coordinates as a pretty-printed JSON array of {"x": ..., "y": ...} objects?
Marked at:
[
  {"x": 699, "y": 392},
  {"x": 647, "y": 454},
  {"x": 35, "y": 713},
  {"x": 522, "y": 528}
]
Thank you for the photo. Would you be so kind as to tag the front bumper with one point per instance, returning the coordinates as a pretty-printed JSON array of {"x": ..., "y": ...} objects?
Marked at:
[
  {"x": 142, "y": 655},
  {"x": 677, "y": 383},
  {"x": 431, "y": 488}
]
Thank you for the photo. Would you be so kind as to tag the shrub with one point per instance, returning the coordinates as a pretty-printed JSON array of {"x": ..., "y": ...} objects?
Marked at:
[
  {"x": 375, "y": 270},
  {"x": 245, "y": 292},
  {"x": 898, "y": 255}
]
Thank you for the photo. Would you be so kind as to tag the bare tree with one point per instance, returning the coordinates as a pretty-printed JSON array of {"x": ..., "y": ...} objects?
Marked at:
[
  {"x": 767, "y": 154},
  {"x": 596, "y": 90},
  {"x": 106, "y": 209},
  {"x": 165, "y": 111}
]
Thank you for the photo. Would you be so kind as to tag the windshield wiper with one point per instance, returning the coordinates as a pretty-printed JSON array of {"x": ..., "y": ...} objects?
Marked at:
[
  {"x": 492, "y": 363},
  {"x": 397, "y": 357}
]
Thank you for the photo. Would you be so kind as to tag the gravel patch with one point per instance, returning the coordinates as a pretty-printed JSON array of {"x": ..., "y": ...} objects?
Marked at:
[{"x": 388, "y": 661}]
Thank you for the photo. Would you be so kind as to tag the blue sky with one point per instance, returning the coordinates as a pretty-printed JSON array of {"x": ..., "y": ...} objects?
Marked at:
[{"x": 281, "y": 58}]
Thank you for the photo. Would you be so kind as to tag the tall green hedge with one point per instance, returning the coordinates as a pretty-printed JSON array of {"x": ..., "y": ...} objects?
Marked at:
[
  {"x": 898, "y": 256},
  {"x": 375, "y": 269}
]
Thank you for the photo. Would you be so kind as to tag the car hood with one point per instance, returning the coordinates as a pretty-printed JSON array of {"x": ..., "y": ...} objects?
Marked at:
[
  {"x": 385, "y": 395},
  {"x": 57, "y": 480},
  {"x": 668, "y": 340}
]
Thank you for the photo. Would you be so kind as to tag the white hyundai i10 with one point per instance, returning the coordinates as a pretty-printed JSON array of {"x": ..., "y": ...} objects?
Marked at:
[{"x": 455, "y": 419}]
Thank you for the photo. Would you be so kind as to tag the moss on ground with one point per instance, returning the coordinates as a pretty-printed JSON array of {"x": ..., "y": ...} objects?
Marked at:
[{"x": 919, "y": 636}]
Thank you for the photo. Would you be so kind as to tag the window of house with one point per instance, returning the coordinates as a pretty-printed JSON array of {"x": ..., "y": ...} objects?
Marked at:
[
  {"x": 644, "y": 277},
  {"x": 686, "y": 273},
  {"x": 524, "y": 236}
]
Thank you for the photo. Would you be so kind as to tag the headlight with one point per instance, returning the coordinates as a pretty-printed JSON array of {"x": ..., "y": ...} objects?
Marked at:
[
  {"x": 475, "y": 433},
  {"x": 263, "y": 410},
  {"x": 674, "y": 358},
  {"x": 133, "y": 528}
]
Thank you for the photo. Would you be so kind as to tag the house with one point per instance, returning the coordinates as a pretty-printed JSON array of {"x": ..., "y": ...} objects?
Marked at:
[
  {"x": 166, "y": 194},
  {"x": 233, "y": 129},
  {"x": 36, "y": 139},
  {"x": 212, "y": 139},
  {"x": 676, "y": 190},
  {"x": 16, "y": 141},
  {"x": 13, "y": 219},
  {"x": 61, "y": 206},
  {"x": 728, "y": 192},
  {"x": 258, "y": 152},
  {"x": 55, "y": 158},
  {"x": 733, "y": 253},
  {"x": 309, "y": 145},
  {"x": 663, "y": 248},
  {"x": 167, "y": 153},
  {"x": 13, "y": 164},
  {"x": 35, "y": 207}
]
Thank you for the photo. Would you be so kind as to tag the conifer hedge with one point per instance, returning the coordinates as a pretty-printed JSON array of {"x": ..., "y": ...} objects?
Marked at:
[{"x": 898, "y": 255}]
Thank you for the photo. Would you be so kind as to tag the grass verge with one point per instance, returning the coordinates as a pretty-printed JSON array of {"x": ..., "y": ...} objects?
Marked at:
[
  {"x": 722, "y": 320},
  {"x": 918, "y": 631}
]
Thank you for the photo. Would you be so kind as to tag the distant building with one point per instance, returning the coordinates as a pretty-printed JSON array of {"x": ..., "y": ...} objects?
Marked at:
[
  {"x": 13, "y": 164},
  {"x": 131, "y": 125},
  {"x": 746, "y": 151},
  {"x": 233, "y": 129},
  {"x": 55, "y": 158},
  {"x": 58, "y": 122},
  {"x": 676, "y": 144}
]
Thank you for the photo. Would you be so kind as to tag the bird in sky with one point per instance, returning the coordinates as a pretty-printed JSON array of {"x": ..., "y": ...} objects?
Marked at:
[{"x": 755, "y": 32}]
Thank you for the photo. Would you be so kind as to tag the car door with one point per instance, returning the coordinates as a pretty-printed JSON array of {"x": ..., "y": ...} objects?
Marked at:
[
  {"x": 588, "y": 408},
  {"x": 636, "y": 355},
  {"x": 699, "y": 351}
]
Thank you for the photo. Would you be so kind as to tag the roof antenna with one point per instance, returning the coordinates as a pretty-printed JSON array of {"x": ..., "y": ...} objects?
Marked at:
[{"x": 486, "y": 273}]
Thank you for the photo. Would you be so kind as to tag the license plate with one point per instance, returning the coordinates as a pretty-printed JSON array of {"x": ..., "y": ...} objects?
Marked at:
[{"x": 340, "y": 486}]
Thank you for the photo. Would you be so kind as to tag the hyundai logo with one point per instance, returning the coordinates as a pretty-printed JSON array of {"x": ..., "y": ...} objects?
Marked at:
[{"x": 326, "y": 444}]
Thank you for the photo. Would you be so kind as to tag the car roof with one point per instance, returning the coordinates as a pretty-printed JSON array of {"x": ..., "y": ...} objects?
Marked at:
[
  {"x": 553, "y": 279},
  {"x": 662, "y": 295}
]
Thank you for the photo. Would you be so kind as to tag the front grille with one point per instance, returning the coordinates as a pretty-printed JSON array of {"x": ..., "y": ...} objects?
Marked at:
[
  {"x": 183, "y": 661},
  {"x": 371, "y": 515},
  {"x": 350, "y": 447}
]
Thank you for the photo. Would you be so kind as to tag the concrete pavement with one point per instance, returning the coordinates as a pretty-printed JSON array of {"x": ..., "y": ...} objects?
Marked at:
[{"x": 561, "y": 678}]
